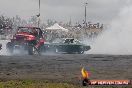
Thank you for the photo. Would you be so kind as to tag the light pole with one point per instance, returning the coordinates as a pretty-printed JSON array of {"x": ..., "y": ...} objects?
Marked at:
[
  {"x": 85, "y": 20},
  {"x": 39, "y": 15}
]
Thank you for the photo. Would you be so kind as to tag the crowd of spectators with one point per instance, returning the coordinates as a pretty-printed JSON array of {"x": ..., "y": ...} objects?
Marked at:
[{"x": 89, "y": 30}]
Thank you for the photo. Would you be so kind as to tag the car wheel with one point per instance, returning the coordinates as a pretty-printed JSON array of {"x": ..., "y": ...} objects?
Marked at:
[
  {"x": 81, "y": 52},
  {"x": 32, "y": 50},
  {"x": 10, "y": 47}
]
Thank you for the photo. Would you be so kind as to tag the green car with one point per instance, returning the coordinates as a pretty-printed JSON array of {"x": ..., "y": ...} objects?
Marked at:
[{"x": 68, "y": 45}]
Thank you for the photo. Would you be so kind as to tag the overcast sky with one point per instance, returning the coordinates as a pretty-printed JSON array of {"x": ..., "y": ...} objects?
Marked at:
[{"x": 64, "y": 10}]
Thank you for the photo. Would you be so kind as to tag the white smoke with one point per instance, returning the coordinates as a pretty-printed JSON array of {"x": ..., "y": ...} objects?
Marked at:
[
  {"x": 4, "y": 50},
  {"x": 118, "y": 38}
]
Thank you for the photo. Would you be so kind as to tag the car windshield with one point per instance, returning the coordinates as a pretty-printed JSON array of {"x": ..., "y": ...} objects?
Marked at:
[
  {"x": 69, "y": 41},
  {"x": 75, "y": 41},
  {"x": 28, "y": 30}
]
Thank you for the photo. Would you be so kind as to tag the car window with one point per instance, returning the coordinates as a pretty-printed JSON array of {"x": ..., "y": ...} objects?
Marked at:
[
  {"x": 25, "y": 30},
  {"x": 77, "y": 41},
  {"x": 69, "y": 41}
]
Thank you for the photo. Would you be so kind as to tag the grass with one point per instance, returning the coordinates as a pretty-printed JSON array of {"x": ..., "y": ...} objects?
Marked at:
[
  {"x": 34, "y": 84},
  {"x": 46, "y": 84}
]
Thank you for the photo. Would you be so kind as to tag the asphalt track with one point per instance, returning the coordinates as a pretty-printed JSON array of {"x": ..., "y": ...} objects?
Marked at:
[{"x": 65, "y": 67}]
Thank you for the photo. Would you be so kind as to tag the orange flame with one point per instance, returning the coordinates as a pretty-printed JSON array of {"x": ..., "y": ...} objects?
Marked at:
[{"x": 84, "y": 73}]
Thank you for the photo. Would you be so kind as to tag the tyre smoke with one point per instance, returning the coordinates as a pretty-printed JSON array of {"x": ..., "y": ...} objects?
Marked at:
[
  {"x": 117, "y": 39},
  {"x": 4, "y": 50}
]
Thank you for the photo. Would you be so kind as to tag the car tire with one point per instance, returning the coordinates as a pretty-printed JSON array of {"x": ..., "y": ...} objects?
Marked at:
[
  {"x": 10, "y": 47},
  {"x": 81, "y": 52},
  {"x": 30, "y": 49}
]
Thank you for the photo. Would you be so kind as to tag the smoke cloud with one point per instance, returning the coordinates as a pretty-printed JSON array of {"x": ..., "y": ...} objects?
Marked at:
[{"x": 117, "y": 39}]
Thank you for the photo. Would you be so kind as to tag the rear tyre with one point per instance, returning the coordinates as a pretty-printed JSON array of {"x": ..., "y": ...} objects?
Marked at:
[
  {"x": 32, "y": 50},
  {"x": 10, "y": 47},
  {"x": 81, "y": 52}
]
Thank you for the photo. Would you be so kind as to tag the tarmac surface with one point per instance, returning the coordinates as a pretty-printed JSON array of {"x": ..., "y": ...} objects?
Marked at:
[{"x": 65, "y": 67}]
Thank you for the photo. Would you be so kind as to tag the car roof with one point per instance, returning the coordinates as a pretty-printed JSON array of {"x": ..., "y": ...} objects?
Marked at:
[
  {"x": 30, "y": 27},
  {"x": 67, "y": 38}
]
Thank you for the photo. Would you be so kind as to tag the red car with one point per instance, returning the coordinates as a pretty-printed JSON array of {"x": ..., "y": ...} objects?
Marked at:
[{"x": 27, "y": 38}]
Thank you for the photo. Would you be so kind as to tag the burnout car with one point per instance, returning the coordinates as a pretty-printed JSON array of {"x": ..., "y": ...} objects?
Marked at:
[
  {"x": 27, "y": 38},
  {"x": 67, "y": 45}
]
